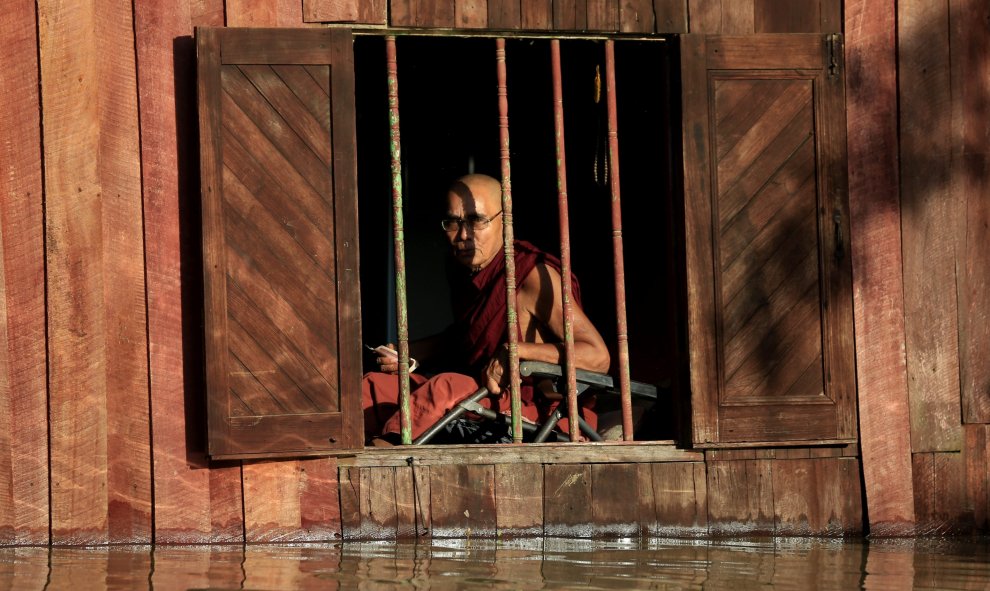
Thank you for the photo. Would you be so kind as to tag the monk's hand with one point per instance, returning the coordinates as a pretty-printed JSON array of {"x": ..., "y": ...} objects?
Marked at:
[
  {"x": 388, "y": 363},
  {"x": 496, "y": 373}
]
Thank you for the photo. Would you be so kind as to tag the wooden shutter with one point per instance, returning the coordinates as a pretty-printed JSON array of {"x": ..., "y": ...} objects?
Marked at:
[
  {"x": 280, "y": 241},
  {"x": 769, "y": 284}
]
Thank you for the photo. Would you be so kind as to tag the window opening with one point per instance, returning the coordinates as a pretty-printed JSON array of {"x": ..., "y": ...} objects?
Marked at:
[{"x": 446, "y": 136}]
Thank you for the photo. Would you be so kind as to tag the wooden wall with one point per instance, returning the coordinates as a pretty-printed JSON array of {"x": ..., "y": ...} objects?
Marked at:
[
  {"x": 101, "y": 410},
  {"x": 917, "y": 97},
  {"x": 799, "y": 492}
]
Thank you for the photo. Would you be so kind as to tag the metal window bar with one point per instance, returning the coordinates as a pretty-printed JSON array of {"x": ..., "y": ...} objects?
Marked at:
[
  {"x": 622, "y": 333},
  {"x": 565, "y": 243},
  {"x": 508, "y": 237},
  {"x": 512, "y": 321},
  {"x": 398, "y": 241}
]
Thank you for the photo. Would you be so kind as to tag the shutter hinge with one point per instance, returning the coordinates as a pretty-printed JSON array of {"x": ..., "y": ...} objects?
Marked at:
[{"x": 834, "y": 46}]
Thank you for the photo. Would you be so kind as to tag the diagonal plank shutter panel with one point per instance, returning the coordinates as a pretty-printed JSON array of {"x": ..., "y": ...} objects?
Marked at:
[
  {"x": 769, "y": 285},
  {"x": 280, "y": 241}
]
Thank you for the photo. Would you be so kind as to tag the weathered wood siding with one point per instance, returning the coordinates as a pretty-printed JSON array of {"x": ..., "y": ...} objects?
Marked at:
[
  {"x": 721, "y": 493},
  {"x": 101, "y": 408}
]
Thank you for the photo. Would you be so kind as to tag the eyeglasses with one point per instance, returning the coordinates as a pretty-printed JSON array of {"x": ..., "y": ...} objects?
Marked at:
[{"x": 474, "y": 221}]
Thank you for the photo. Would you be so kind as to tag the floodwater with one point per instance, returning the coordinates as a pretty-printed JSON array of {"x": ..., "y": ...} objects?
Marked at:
[{"x": 800, "y": 564}]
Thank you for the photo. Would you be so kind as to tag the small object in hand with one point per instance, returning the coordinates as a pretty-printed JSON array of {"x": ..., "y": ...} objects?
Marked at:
[{"x": 393, "y": 354}]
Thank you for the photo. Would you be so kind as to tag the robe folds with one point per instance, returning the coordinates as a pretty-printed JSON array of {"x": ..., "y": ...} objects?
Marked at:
[{"x": 479, "y": 302}]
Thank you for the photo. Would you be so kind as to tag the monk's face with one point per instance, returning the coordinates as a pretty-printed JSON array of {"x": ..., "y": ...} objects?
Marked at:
[{"x": 473, "y": 242}]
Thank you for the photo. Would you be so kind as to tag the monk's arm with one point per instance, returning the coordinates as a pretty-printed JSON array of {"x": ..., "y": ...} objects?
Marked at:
[{"x": 540, "y": 296}]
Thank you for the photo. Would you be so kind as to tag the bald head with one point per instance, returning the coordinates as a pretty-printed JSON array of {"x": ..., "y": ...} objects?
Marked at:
[
  {"x": 480, "y": 189},
  {"x": 473, "y": 197}
]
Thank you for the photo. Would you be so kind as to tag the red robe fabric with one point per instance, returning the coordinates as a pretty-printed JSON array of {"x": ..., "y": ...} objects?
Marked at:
[{"x": 480, "y": 327}]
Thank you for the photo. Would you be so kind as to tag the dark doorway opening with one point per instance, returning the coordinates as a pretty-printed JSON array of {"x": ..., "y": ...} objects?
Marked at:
[{"x": 449, "y": 126}]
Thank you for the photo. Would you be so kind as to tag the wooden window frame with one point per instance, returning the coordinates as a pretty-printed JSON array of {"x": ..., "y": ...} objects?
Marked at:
[{"x": 607, "y": 452}]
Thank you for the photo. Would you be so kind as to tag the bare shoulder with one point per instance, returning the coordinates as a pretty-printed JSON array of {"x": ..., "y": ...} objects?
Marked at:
[{"x": 542, "y": 283}]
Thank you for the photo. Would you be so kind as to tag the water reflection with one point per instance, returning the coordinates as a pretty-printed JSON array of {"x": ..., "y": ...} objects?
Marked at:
[{"x": 523, "y": 564}]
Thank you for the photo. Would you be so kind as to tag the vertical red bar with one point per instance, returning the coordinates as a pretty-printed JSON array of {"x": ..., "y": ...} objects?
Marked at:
[
  {"x": 565, "y": 242},
  {"x": 622, "y": 331},
  {"x": 510, "y": 256},
  {"x": 398, "y": 240}
]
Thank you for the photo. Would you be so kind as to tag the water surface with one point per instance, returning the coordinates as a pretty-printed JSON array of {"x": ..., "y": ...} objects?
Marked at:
[{"x": 522, "y": 564}]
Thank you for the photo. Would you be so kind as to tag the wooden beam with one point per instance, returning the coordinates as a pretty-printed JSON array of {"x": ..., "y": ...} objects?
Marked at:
[
  {"x": 23, "y": 385},
  {"x": 871, "y": 123},
  {"x": 194, "y": 501},
  {"x": 548, "y": 453},
  {"x": 969, "y": 45},
  {"x": 929, "y": 225},
  {"x": 98, "y": 391}
]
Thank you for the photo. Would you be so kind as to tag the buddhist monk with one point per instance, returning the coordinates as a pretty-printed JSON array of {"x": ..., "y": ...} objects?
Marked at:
[{"x": 477, "y": 340}]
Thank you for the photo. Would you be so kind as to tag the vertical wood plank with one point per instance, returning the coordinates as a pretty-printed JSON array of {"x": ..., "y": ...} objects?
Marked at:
[
  {"x": 401, "y": 13},
  {"x": 371, "y": 12},
  {"x": 519, "y": 499},
  {"x": 636, "y": 16},
  {"x": 816, "y": 496},
  {"x": 462, "y": 501},
  {"x": 928, "y": 226},
  {"x": 969, "y": 40},
  {"x": 939, "y": 488},
  {"x": 671, "y": 16},
  {"x": 319, "y": 500},
  {"x": 536, "y": 15},
  {"x": 950, "y": 493},
  {"x": 787, "y": 16},
  {"x": 567, "y": 505},
  {"x": 737, "y": 17},
  {"x": 226, "y": 503},
  {"x": 740, "y": 497},
  {"x": 698, "y": 237},
  {"x": 679, "y": 493},
  {"x": 875, "y": 219},
  {"x": 923, "y": 474},
  {"x": 350, "y": 502},
  {"x": 264, "y": 13},
  {"x": 471, "y": 14},
  {"x": 294, "y": 501},
  {"x": 183, "y": 479},
  {"x": 505, "y": 14},
  {"x": 704, "y": 16},
  {"x": 602, "y": 15},
  {"x": 569, "y": 15},
  {"x": 977, "y": 467},
  {"x": 23, "y": 393},
  {"x": 622, "y": 499},
  {"x": 97, "y": 327},
  {"x": 412, "y": 499},
  {"x": 431, "y": 13},
  {"x": 831, "y": 16},
  {"x": 379, "y": 511}
]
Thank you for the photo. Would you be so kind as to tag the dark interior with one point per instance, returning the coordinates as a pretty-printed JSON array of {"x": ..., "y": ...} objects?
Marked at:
[{"x": 449, "y": 125}]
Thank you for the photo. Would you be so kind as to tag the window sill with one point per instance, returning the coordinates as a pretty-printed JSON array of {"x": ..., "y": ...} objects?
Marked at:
[{"x": 528, "y": 453}]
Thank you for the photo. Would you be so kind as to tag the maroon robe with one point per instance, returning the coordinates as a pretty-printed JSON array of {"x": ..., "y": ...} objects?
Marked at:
[{"x": 480, "y": 327}]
